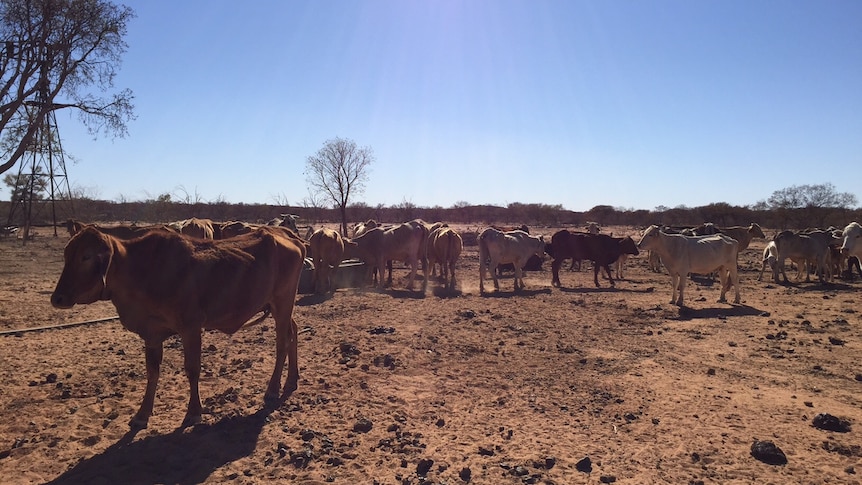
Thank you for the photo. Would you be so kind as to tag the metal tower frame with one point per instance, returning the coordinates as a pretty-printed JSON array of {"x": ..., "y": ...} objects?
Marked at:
[{"x": 44, "y": 159}]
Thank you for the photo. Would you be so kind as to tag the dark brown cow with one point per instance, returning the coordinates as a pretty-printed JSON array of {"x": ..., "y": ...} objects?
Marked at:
[
  {"x": 164, "y": 284},
  {"x": 327, "y": 251},
  {"x": 601, "y": 249}
]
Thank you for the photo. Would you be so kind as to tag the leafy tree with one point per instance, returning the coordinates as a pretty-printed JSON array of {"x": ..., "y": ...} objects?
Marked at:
[
  {"x": 53, "y": 50},
  {"x": 23, "y": 185},
  {"x": 339, "y": 171}
]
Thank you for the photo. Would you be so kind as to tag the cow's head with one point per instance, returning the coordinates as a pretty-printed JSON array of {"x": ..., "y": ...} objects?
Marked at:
[
  {"x": 755, "y": 230},
  {"x": 851, "y": 235},
  {"x": 628, "y": 246},
  {"x": 87, "y": 258},
  {"x": 649, "y": 238}
]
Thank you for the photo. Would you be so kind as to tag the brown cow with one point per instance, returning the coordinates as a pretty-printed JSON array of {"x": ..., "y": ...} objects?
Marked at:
[
  {"x": 327, "y": 251},
  {"x": 444, "y": 247},
  {"x": 164, "y": 284}
]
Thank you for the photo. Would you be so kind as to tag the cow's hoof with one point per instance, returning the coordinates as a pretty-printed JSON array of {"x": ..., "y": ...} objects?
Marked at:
[
  {"x": 190, "y": 421},
  {"x": 271, "y": 399},
  {"x": 137, "y": 423},
  {"x": 289, "y": 387}
]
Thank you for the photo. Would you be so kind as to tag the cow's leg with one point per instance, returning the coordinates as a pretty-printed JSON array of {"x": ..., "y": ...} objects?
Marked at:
[
  {"x": 192, "y": 364},
  {"x": 777, "y": 270},
  {"x": 493, "y": 267},
  {"x": 425, "y": 272},
  {"x": 413, "y": 264},
  {"x": 673, "y": 285},
  {"x": 519, "y": 276},
  {"x": 683, "y": 280},
  {"x": 734, "y": 279},
  {"x": 381, "y": 274},
  {"x": 722, "y": 281},
  {"x": 610, "y": 278},
  {"x": 318, "y": 275},
  {"x": 153, "y": 352},
  {"x": 451, "y": 271},
  {"x": 481, "y": 274},
  {"x": 596, "y": 269},
  {"x": 675, "y": 282},
  {"x": 285, "y": 349},
  {"x": 555, "y": 272}
]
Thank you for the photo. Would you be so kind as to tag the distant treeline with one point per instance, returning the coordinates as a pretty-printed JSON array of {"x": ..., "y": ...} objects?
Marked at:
[{"x": 538, "y": 215}]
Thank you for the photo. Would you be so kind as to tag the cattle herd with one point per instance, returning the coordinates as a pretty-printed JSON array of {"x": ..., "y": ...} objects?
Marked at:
[{"x": 220, "y": 276}]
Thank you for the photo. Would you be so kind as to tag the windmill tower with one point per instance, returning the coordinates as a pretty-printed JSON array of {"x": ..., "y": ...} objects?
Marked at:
[{"x": 42, "y": 178}]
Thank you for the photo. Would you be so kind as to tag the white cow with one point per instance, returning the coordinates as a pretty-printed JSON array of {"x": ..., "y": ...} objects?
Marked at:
[
  {"x": 682, "y": 255},
  {"x": 801, "y": 248},
  {"x": 852, "y": 240},
  {"x": 514, "y": 247},
  {"x": 770, "y": 257}
]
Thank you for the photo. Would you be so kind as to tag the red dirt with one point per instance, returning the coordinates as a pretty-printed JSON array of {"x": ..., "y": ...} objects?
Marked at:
[{"x": 399, "y": 388}]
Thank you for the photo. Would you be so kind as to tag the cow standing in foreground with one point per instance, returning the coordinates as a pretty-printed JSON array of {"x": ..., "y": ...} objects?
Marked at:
[
  {"x": 514, "y": 247},
  {"x": 164, "y": 284},
  {"x": 682, "y": 255}
]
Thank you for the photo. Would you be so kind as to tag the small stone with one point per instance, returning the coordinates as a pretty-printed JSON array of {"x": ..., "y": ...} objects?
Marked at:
[
  {"x": 829, "y": 422},
  {"x": 362, "y": 425},
  {"x": 585, "y": 465},
  {"x": 768, "y": 452},
  {"x": 424, "y": 466}
]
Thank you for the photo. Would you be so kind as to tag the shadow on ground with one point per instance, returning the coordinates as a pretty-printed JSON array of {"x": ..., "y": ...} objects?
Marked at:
[{"x": 183, "y": 457}]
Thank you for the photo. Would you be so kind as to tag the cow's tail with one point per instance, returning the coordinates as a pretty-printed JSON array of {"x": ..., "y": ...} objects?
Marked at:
[
  {"x": 266, "y": 311},
  {"x": 423, "y": 250}
]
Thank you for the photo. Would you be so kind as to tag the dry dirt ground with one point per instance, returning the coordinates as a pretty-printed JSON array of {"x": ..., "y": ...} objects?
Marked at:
[{"x": 399, "y": 387}]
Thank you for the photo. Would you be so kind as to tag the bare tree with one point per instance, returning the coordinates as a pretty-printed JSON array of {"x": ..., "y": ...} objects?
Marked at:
[
  {"x": 339, "y": 171},
  {"x": 53, "y": 50}
]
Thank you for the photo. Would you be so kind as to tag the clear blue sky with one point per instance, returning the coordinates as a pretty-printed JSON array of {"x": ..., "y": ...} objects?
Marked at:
[{"x": 632, "y": 104}]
